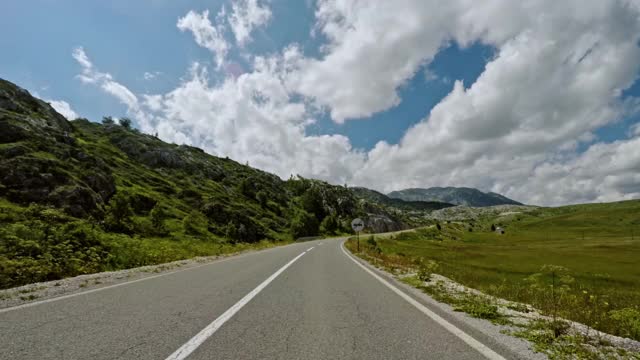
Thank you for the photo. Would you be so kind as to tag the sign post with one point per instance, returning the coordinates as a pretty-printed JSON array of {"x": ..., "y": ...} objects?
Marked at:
[{"x": 357, "y": 225}]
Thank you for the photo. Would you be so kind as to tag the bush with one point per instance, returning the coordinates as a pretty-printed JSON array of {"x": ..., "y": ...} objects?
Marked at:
[
  {"x": 43, "y": 251},
  {"x": 312, "y": 203},
  {"x": 247, "y": 188},
  {"x": 119, "y": 214},
  {"x": 195, "y": 223},
  {"x": 371, "y": 241},
  {"x": 551, "y": 287},
  {"x": 478, "y": 308},
  {"x": 329, "y": 225},
  {"x": 262, "y": 198},
  {"x": 304, "y": 224},
  {"x": 426, "y": 269},
  {"x": 158, "y": 216},
  {"x": 629, "y": 319},
  {"x": 245, "y": 230}
]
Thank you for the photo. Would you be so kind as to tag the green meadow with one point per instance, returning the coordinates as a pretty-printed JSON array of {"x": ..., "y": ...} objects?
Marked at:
[{"x": 594, "y": 249}]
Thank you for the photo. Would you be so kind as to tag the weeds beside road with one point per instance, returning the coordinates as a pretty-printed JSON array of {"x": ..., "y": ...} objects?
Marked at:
[{"x": 564, "y": 263}]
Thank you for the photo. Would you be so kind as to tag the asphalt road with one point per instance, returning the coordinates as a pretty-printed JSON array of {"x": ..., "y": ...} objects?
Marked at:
[{"x": 322, "y": 306}]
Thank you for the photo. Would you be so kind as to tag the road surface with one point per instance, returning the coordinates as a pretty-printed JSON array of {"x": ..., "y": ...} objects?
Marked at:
[{"x": 303, "y": 301}]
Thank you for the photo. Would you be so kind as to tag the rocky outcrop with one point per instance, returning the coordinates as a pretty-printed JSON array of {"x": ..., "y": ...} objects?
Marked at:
[
  {"x": 382, "y": 223},
  {"x": 22, "y": 115},
  {"x": 76, "y": 200},
  {"x": 40, "y": 159}
]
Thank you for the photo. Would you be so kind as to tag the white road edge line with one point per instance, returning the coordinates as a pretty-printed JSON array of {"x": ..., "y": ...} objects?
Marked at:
[
  {"x": 480, "y": 347},
  {"x": 309, "y": 249},
  {"x": 190, "y": 346}
]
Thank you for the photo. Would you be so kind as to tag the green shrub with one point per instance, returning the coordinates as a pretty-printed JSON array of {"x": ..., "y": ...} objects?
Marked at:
[
  {"x": 158, "y": 215},
  {"x": 479, "y": 308},
  {"x": 371, "y": 241},
  {"x": 426, "y": 269},
  {"x": 119, "y": 214},
  {"x": 312, "y": 202},
  {"x": 195, "y": 223},
  {"x": 304, "y": 224},
  {"x": 262, "y": 198},
  {"x": 329, "y": 225},
  {"x": 629, "y": 320}
]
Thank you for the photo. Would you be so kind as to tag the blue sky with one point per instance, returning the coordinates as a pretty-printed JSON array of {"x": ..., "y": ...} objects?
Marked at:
[
  {"x": 131, "y": 38},
  {"x": 126, "y": 39}
]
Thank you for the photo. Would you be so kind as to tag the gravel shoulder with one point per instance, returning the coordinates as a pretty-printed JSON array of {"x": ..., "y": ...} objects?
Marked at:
[{"x": 37, "y": 292}]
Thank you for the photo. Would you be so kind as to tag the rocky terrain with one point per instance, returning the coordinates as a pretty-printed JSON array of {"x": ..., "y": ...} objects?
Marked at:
[{"x": 463, "y": 213}]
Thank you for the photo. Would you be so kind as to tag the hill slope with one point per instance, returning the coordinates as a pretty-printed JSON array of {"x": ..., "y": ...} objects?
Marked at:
[
  {"x": 79, "y": 197},
  {"x": 453, "y": 195}
]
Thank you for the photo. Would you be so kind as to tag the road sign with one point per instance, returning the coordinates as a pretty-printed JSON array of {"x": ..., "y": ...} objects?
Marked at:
[{"x": 357, "y": 224}]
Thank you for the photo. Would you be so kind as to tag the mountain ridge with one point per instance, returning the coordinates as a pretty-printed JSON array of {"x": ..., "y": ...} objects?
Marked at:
[
  {"x": 455, "y": 195},
  {"x": 380, "y": 198}
]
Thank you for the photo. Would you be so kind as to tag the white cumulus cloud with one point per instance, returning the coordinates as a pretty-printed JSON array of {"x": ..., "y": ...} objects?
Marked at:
[
  {"x": 246, "y": 15},
  {"x": 205, "y": 34},
  {"x": 90, "y": 75},
  {"x": 557, "y": 76},
  {"x": 63, "y": 108}
]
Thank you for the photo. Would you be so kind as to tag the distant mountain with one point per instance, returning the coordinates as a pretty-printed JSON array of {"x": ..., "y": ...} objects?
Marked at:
[
  {"x": 382, "y": 199},
  {"x": 454, "y": 195}
]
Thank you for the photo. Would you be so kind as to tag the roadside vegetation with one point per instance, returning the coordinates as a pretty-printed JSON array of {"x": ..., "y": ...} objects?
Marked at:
[
  {"x": 578, "y": 263},
  {"x": 79, "y": 197}
]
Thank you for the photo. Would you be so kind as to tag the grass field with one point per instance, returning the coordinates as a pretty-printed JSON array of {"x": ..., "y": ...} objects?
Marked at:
[{"x": 579, "y": 262}]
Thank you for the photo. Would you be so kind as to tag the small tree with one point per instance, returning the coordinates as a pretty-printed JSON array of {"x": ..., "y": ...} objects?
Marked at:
[
  {"x": 262, "y": 198},
  {"x": 158, "y": 217},
  {"x": 119, "y": 213},
  {"x": 107, "y": 120},
  {"x": 231, "y": 231},
  {"x": 426, "y": 269},
  {"x": 125, "y": 122},
  {"x": 312, "y": 202},
  {"x": 329, "y": 224},
  {"x": 304, "y": 224},
  {"x": 247, "y": 188}
]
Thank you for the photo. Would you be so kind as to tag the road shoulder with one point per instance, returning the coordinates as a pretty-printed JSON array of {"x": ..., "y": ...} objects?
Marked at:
[{"x": 481, "y": 330}]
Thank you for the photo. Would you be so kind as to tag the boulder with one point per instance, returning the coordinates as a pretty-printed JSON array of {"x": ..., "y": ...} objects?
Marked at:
[{"x": 77, "y": 201}]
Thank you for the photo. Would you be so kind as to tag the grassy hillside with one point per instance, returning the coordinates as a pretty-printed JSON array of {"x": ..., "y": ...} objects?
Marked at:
[
  {"x": 594, "y": 249},
  {"x": 79, "y": 197}
]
